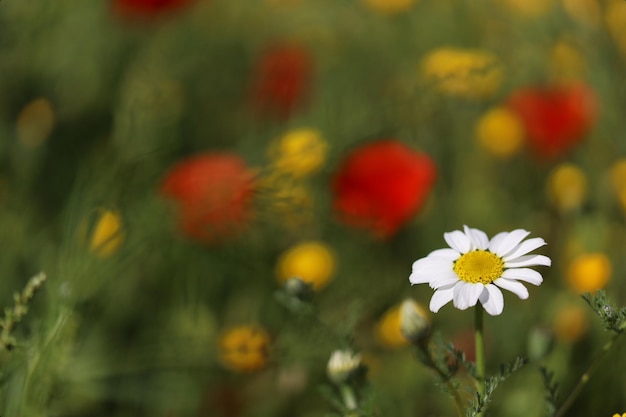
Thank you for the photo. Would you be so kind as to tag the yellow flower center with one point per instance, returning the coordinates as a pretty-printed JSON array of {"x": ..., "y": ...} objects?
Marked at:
[{"x": 479, "y": 266}]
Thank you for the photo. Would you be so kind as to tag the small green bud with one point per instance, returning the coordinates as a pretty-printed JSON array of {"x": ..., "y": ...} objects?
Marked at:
[
  {"x": 342, "y": 364},
  {"x": 414, "y": 321}
]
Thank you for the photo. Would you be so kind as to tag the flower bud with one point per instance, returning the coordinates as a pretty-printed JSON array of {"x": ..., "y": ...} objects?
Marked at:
[
  {"x": 342, "y": 364},
  {"x": 414, "y": 321},
  {"x": 298, "y": 288}
]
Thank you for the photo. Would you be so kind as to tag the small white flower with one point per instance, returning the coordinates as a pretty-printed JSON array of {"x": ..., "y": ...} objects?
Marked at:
[
  {"x": 474, "y": 269},
  {"x": 342, "y": 364}
]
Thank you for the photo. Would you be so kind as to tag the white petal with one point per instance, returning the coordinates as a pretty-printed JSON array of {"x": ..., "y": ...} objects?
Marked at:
[
  {"x": 458, "y": 241},
  {"x": 426, "y": 269},
  {"x": 496, "y": 240},
  {"x": 440, "y": 298},
  {"x": 528, "y": 260},
  {"x": 443, "y": 280},
  {"x": 513, "y": 286},
  {"x": 492, "y": 300},
  {"x": 478, "y": 238},
  {"x": 523, "y": 274},
  {"x": 466, "y": 294},
  {"x": 448, "y": 254},
  {"x": 508, "y": 242},
  {"x": 525, "y": 247}
]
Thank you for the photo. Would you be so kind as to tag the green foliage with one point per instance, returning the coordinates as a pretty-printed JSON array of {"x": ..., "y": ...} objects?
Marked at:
[{"x": 613, "y": 317}]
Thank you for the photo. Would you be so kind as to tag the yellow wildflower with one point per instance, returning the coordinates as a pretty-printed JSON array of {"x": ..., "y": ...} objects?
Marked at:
[
  {"x": 244, "y": 348},
  {"x": 567, "y": 186},
  {"x": 299, "y": 153},
  {"x": 463, "y": 72},
  {"x": 589, "y": 272},
  {"x": 570, "y": 323},
  {"x": 388, "y": 331},
  {"x": 500, "y": 132},
  {"x": 311, "y": 262},
  {"x": 107, "y": 234}
]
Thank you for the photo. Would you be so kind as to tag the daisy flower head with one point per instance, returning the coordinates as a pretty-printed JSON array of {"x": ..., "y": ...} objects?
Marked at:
[{"x": 475, "y": 268}]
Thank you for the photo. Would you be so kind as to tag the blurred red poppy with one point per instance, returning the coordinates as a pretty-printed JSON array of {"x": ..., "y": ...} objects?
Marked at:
[
  {"x": 147, "y": 8},
  {"x": 282, "y": 80},
  {"x": 214, "y": 192},
  {"x": 555, "y": 118},
  {"x": 381, "y": 185}
]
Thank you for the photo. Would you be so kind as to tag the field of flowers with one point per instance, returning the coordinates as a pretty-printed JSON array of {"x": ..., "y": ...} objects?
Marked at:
[{"x": 278, "y": 208}]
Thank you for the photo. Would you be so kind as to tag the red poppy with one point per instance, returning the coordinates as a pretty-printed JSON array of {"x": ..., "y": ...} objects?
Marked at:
[
  {"x": 282, "y": 80},
  {"x": 147, "y": 8},
  {"x": 381, "y": 185},
  {"x": 214, "y": 192},
  {"x": 556, "y": 118}
]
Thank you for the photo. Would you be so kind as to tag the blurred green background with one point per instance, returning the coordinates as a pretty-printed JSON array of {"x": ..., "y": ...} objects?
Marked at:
[{"x": 101, "y": 100}]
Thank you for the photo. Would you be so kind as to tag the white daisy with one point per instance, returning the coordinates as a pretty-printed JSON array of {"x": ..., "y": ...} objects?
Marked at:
[{"x": 474, "y": 269}]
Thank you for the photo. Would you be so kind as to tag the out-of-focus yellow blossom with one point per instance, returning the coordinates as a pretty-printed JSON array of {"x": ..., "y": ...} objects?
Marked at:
[
  {"x": 529, "y": 8},
  {"x": 299, "y": 152},
  {"x": 463, "y": 72},
  {"x": 390, "y": 6},
  {"x": 589, "y": 272},
  {"x": 500, "y": 132},
  {"x": 584, "y": 11},
  {"x": 566, "y": 62},
  {"x": 615, "y": 18},
  {"x": 311, "y": 262},
  {"x": 107, "y": 234},
  {"x": 617, "y": 415},
  {"x": 388, "y": 330},
  {"x": 244, "y": 348},
  {"x": 570, "y": 323},
  {"x": 567, "y": 186},
  {"x": 35, "y": 123}
]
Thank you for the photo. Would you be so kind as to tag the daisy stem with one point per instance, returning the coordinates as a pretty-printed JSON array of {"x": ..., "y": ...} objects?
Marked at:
[
  {"x": 347, "y": 394},
  {"x": 480, "y": 351}
]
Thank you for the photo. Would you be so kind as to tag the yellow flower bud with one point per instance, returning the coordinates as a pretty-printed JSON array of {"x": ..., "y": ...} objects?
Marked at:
[
  {"x": 244, "y": 348},
  {"x": 589, "y": 272},
  {"x": 312, "y": 262},
  {"x": 388, "y": 330},
  {"x": 500, "y": 132},
  {"x": 570, "y": 323},
  {"x": 299, "y": 152},
  {"x": 567, "y": 186},
  {"x": 390, "y": 6},
  {"x": 463, "y": 72},
  {"x": 107, "y": 235}
]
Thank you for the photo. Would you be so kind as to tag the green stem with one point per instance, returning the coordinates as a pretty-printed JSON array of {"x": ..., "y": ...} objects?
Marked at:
[
  {"x": 430, "y": 362},
  {"x": 480, "y": 351},
  {"x": 584, "y": 378},
  {"x": 349, "y": 399}
]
